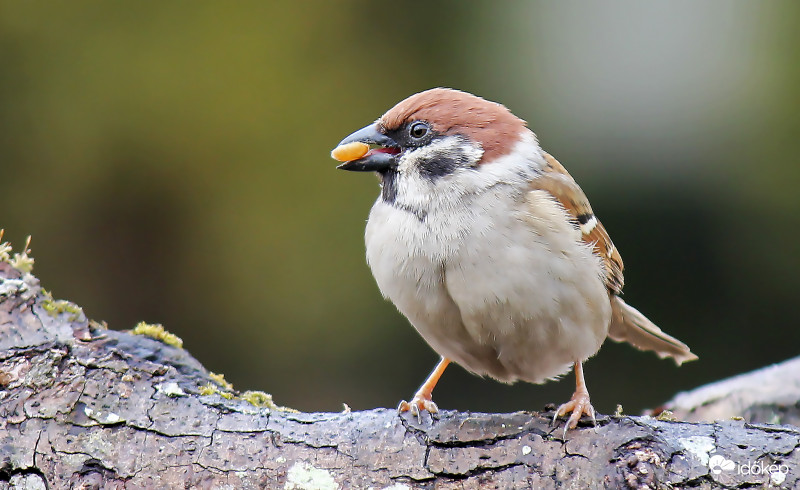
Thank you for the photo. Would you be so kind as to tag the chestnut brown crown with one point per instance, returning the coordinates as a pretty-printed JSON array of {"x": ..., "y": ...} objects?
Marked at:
[{"x": 451, "y": 111}]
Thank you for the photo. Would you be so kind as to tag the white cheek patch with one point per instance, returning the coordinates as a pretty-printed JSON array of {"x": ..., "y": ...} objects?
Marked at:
[
  {"x": 516, "y": 168},
  {"x": 419, "y": 192},
  {"x": 449, "y": 145}
]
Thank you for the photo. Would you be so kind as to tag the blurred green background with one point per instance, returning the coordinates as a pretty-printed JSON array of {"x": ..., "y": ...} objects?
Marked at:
[{"x": 171, "y": 161}]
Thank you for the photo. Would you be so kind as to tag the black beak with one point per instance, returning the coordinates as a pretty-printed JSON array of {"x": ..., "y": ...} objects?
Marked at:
[{"x": 377, "y": 160}]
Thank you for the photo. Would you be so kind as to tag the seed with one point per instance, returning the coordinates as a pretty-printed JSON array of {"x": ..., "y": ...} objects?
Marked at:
[{"x": 350, "y": 151}]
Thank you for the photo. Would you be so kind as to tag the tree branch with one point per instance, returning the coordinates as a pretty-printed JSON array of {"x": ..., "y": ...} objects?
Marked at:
[
  {"x": 767, "y": 395},
  {"x": 81, "y": 406}
]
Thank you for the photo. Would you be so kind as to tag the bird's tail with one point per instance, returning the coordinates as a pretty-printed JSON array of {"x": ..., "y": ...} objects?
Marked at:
[{"x": 628, "y": 325}]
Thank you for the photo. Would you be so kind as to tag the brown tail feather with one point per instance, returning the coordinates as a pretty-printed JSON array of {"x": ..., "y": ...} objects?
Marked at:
[{"x": 628, "y": 325}]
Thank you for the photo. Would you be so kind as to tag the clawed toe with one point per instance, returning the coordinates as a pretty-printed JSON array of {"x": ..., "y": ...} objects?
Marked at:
[
  {"x": 579, "y": 405},
  {"x": 417, "y": 405},
  {"x": 422, "y": 400}
]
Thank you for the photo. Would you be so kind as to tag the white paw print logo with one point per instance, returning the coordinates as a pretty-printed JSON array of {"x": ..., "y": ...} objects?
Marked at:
[{"x": 717, "y": 464}]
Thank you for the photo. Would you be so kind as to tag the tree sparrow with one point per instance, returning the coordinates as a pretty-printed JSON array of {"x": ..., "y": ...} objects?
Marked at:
[{"x": 489, "y": 247}]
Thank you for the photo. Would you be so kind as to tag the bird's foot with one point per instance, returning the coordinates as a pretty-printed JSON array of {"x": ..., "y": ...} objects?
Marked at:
[
  {"x": 422, "y": 400},
  {"x": 420, "y": 403},
  {"x": 579, "y": 405}
]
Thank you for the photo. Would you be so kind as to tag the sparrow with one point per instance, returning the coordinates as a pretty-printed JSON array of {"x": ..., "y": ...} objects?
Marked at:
[{"x": 490, "y": 248}]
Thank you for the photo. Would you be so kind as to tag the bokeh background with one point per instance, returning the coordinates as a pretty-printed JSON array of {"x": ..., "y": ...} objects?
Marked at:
[{"x": 170, "y": 160}]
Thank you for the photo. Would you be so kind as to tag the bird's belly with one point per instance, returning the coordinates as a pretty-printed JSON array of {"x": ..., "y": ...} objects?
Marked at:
[
  {"x": 522, "y": 304},
  {"x": 533, "y": 293},
  {"x": 407, "y": 262}
]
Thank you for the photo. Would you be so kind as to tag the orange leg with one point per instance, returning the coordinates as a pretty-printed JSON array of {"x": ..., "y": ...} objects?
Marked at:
[
  {"x": 423, "y": 397},
  {"x": 579, "y": 404}
]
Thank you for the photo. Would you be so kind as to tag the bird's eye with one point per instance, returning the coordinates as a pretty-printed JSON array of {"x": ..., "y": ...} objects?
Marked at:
[{"x": 418, "y": 130}]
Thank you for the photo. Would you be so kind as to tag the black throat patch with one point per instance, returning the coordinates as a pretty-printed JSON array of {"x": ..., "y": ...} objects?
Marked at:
[
  {"x": 389, "y": 186},
  {"x": 389, "y": 194}
]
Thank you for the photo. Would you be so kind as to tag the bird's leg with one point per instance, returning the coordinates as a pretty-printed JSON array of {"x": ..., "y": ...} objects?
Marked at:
[
  {"x": 423, "y": 397},
  {"x": 579, "y": 404}
]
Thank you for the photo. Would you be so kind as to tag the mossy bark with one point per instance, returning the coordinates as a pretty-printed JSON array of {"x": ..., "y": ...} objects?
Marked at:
[{"x": 85, "y": 407}]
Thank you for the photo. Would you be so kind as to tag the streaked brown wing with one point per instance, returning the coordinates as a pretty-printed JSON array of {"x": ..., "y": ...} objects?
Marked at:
[{"x": 557, "y": 181}]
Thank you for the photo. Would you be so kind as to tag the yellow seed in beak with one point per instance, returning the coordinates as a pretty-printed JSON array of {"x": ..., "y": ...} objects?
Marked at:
[{"x": 350, "y": 151}]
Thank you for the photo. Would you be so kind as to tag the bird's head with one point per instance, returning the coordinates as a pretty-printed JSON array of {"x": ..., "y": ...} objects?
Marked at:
[
  {"x": 442, "y": 128},
  {"x": 435, "y": 135}
]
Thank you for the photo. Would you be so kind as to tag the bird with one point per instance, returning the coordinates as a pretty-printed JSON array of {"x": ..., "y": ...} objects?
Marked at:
[{"x": 489, "y": 247}]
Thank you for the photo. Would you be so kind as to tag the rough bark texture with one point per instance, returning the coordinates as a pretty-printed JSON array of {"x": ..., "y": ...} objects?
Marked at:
[{"x": 85, "y": 407}]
